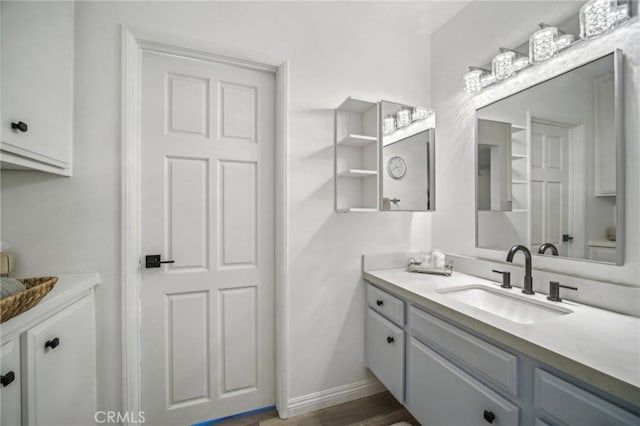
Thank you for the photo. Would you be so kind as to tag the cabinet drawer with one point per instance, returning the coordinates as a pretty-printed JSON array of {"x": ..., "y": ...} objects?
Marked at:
[
  {"x": 384, "y": 351},
  {"x": 440, "y": 394},
  {"x": 496, "y": 364},
  {"x": 565, "y": 403},
  {"x": 386, "y": 304},
  {"x": 10, "y": 390}
]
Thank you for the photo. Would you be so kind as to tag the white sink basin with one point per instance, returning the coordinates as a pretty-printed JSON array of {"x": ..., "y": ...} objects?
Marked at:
[{"x": 513, "y": 307}]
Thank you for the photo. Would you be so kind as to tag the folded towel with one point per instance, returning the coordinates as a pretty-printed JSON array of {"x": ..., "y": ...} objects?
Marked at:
[{"x": 10, "y": 286}]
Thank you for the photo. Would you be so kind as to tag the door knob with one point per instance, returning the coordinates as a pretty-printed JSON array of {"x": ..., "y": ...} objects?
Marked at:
[
  {"x": 20, "y": 125},
  {"x": 153, "y": 261},
  {"x": 390, "y": 339},
  {"x": 379, "y": 302},
  {"x": 6, "y": 379},
  {"x": 566, "y": 237},
  {"x": 53, "y": 343}
]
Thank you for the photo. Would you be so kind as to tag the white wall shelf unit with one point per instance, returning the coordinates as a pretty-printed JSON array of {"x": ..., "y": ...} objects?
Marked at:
[{"x": 356, "y": 156}]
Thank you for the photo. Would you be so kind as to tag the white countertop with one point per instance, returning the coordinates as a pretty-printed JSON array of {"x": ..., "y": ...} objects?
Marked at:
[
  {"x": 68, "y": 289},
  {"x": 594, "y": 345}
]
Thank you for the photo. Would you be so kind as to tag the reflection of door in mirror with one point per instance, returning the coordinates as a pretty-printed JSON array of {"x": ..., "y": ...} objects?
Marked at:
[{"x": 550, "y": 185}]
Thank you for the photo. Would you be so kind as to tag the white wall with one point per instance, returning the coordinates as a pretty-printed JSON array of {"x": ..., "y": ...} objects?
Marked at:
[
  {"x": 472, "y": 37},
  {"x": 375, "y": 51}
]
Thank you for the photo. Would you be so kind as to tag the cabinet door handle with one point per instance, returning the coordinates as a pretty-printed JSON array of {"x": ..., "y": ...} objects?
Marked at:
[
  {"x": 53, "y": 343},
  {"x": 20, "y": 125},
  {"x": 489, "y": 416},
  {"x": 379, "y": 302},
  {"x": 390, "y": 339},
  {"x": 6, "y": 379}
]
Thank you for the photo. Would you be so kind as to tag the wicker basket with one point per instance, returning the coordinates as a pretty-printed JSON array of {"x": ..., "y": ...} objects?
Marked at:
[{"x": 37, "y": 288}]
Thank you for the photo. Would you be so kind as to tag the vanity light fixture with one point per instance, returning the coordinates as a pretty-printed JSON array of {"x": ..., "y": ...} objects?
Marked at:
[
  {"x": 476, "y": 79},
  {"x": 506, "y": 63},
  {"x": 542, "y": 44},
  {"x": 564, "y": 41},
  {"x": 598, "y": 16}
]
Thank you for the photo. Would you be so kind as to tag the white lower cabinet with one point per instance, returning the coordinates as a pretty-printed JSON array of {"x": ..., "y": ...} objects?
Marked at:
[
  {"x": 453, "y": 378},
  {"x": 10, "y": 383},
  {"x": 441, "y": 394},
  {"x": 564, "y": 403},
  {"x": 60, "y": 367},
  {"x": 385, "y": 352}
]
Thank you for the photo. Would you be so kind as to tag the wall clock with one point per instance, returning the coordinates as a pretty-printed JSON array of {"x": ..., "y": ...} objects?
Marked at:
[{"x": 396, "y": 167}]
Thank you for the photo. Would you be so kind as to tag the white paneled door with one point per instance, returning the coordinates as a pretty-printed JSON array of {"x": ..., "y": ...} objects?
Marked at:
[
  {"x": 550, "y": 186},
  {"x": 208, "y": 206}
]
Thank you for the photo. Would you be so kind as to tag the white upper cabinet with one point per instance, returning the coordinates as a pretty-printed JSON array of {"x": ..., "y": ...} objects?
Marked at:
[{"x": 37, "y": 86}]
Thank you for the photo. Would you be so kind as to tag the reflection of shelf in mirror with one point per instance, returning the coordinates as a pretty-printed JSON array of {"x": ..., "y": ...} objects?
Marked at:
[
  {"x": 357, "y": 141},
  {"x": 357, "y": 210},
  {"x": 518, "y": 156},
  {"x": 519, "y": 211},
  {"x": 409, "y": 130},
  {"x": 515, "y": 128},
  {"x": 357, "y": 173},
  {"x": 519, "y": 182}
]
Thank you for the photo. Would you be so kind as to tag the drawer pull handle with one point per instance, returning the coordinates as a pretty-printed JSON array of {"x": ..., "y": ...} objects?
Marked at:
[
  {"x": 379, "y": 302},
  {"x": 53, "y": 343},
  {"x": 390, "y": 339},
  {"x": 20, "y": 125},
  {"x": 6, "y": 379},
  {"x": 489, "y": 416}
]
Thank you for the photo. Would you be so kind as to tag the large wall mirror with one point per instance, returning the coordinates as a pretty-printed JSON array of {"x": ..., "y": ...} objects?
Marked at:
[
  {"x": 550, "y": 166},
  {"x": 407, "y": 157}
]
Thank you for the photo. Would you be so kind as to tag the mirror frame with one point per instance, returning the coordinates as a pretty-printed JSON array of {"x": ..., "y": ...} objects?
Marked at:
[{"x": 618, "y": 67}]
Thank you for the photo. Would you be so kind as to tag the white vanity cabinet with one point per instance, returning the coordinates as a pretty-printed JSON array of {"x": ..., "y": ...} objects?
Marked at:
[
  {"x": 10, "y": 376},
  {"x": 51, "y": 350},
  {"x": 37, "y": 85},
  {"x": 385, "y": 340},
  {"x": 454, "y": 377},
  {"x": 564, "y": 403},
  {"x": 439, "y": 393},
  {"x": 60, "y": 370}
]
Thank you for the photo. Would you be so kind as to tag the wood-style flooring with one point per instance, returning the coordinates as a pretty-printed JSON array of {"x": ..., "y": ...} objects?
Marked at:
[{"x": 376, "y": 410}]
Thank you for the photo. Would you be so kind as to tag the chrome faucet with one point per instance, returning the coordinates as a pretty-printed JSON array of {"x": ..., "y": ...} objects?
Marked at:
[
  {"x": 528, "y": 280},
  {"x": 545, "y": 246}
]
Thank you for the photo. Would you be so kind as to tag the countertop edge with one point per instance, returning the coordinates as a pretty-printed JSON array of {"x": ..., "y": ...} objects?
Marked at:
[
  {"x": 625, "y": 391},
  {"x": 68, "y": 289}
]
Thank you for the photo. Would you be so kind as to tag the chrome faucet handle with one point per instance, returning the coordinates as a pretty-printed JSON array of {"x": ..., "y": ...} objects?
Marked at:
[
  {"x": 506, "y": 278},
  {"x": 554, "y": 290}
]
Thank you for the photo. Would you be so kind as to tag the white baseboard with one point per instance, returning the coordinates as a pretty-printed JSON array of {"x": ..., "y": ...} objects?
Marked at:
[{"x": 327, "y": 398}]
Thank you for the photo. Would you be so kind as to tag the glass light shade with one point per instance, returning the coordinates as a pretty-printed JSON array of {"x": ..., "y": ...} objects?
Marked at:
[
  {"x": 388, "y": 124},
  {"x": 597, "y": 16},
  {"x": 621, "y": 13},
  {"x": 403, "y": 117},
  {"x": 472, "y": 81},
  {"x": 542, "y": 44},
  {"x": 521, "y": 63},
  {"x": 419, "y": 114},
  {"x": 564, "y": 41},
  {"x": 487, "y": 79},
  {"x": 502, "y": 65}
]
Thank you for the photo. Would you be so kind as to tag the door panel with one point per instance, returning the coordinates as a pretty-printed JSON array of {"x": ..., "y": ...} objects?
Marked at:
[
  {"x": 208, "y": 203},
  {"x": 549, "y": 185}
]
